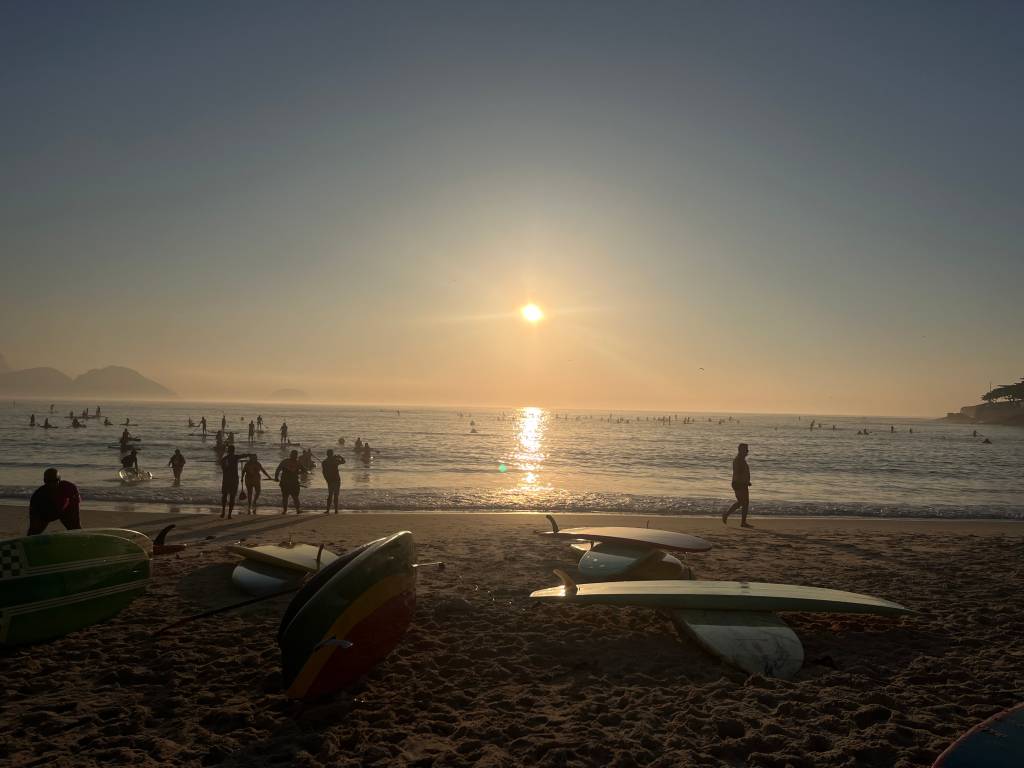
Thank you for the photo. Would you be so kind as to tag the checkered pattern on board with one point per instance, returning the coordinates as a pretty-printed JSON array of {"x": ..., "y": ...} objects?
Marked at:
[{"x": 10, "y": 560}]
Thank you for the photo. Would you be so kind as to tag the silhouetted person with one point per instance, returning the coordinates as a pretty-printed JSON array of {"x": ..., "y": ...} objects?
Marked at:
[
  {"x": 358, "y": 447},
  {"x": 367, "y": 453},
  {"x": 55, "y": 499},
  {"x": 202, "y": 425},
  {"x": 252, "y": 431},
  {"x": 177, "y": 463},
  {"x": 284, "y": 432},
  {"x": 47, "y": 424},
  {"x": 229, "y": 480},
  {"x": 287, "y": 474},
  {"x": 332, "y": 475},
  {"x": 251, "y": 471},
  {"x": 740, "y": 485},
  {"x": 131, "y": 461},
  {"x": 259, "y": 422},
  {"x": 106, "y": 422},
  {"x": 32, "y": 420},
  {"x": 223, "y": 422}
]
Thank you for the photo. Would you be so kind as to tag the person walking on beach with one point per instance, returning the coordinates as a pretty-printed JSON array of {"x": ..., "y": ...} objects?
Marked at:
[
  {"x": 55, "y": 499},
  {"x": 287, "y": 474},
  {"x": 251, "y": 478},
  {"x": 177, "y": 463},
  {"x": 332, "y": 475},
  {"x": 740, "y": 485},
  {"x": 229, "y": 480}
]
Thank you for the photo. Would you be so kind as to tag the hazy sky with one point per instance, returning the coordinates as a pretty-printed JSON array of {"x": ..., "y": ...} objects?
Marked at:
[{"x": 749, "y": 207}]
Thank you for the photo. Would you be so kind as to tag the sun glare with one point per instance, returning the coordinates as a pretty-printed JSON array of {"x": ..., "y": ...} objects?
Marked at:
[{"x": 532, "y": 313}]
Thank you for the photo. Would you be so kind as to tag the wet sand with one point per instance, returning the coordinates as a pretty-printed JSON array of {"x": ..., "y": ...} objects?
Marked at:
[{"x": 484, "y": 677}]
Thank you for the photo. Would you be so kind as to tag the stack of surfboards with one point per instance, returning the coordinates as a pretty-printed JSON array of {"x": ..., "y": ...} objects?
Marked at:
[
  {"x": 272, "y": 568},
  {"x": 733, "y": 620},
  {"x": 53, "y": 584},
  {"x": 348, "y": 617},
  {"x": 613, "y": 553}
]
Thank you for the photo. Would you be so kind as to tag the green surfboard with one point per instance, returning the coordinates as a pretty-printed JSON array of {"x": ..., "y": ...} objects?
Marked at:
[{"x": 54, "y": 584}]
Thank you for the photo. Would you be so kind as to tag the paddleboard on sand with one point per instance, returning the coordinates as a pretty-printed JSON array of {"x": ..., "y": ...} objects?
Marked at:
[
  {"x": 719, "y": 596},
  {"x": 297, "y": 557},
  {"x": 256, "y": 578},
  {"x": 130, "y": 476},
  {"x": 759, "y": 643},
  {"x": 144, "y": 542},
  {"x": 348, "y": 617},
  {"x": 649, "y": 537},
  {"x": 995, "y": 743},
  {"x": 606, "y": 561},
  {"x": 54, "y": 584}
]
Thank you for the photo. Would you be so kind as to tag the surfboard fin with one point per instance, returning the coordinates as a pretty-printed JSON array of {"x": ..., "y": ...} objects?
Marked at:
[
  {"x": 163, "y": 534},
  {"x": 334, "y": 643},
  {"x": 570, "y": 586},
  {"x": 554, "y": 525}
]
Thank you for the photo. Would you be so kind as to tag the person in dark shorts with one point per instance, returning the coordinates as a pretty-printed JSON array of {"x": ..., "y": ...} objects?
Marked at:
[
  {"x": 229, "y": 480},
  {"x": 55, "y": 499},
  {"x": 177, "y": 463},
  {"x": 329, "y": 466},
  {"x": 287, "y": 474},
  {"x": 740, "y": 485}
]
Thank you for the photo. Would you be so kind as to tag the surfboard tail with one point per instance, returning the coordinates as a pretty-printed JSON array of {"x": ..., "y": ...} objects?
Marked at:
[{"x": 554, "y": 525}]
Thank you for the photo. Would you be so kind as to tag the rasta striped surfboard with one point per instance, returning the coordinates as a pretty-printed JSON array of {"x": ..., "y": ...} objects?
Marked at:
[
  {"x": 348, "y": 617},
  {"x": 54, "y": 584}
]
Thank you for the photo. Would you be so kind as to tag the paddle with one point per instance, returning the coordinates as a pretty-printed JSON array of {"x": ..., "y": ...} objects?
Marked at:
[{"x": 223, "y": 609}]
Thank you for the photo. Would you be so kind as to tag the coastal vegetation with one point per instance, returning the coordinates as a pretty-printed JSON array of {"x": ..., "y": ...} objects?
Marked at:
[{"x": 1011, "y": 393}]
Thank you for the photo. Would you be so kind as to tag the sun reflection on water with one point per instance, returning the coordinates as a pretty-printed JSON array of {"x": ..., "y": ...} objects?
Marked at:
[{"x": 529, "y": 456}]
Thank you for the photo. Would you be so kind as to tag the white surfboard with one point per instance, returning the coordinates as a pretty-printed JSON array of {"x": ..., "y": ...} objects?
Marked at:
[
  {"x": 756, "y": 642},
  {"x": 299, "y": 557},
  {"x": 130, "y": 476},
  {"x": 649, "y": 537},
  {"x": 257, "y": 579},
  {"x": 719, "y": 596},
  {"x": 606, "y": 561}
]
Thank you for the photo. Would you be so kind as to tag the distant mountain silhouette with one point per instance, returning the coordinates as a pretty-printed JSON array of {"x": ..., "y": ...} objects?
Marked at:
[
  {"x": 113, "y": 381},
  {"x": 117, "y": 381},
  {"x": 288, "y": 394},
  {"x": 44, "y": 382}
]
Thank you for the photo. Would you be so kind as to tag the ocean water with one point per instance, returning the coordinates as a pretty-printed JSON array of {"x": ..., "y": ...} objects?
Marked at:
[{"x": 537, "y": 459}]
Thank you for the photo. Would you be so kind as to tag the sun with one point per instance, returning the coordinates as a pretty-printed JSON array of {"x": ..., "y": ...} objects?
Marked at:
[{"x": 532, "y": 313}]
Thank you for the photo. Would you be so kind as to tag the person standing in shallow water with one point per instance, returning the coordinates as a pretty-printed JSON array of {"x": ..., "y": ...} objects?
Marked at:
[
  {"x": 332, "y": 475},
  {"x": 740, "y": 485},
  {"x": 287, "y": 474},
  {"x": 177, "y": 463}
]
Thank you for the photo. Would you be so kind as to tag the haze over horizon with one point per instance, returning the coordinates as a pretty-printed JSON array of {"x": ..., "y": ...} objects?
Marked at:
[{"x": 719, "y": 207}]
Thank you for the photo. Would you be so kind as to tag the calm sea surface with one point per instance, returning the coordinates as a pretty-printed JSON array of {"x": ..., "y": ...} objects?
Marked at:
[{"x": 536, "y": 459}]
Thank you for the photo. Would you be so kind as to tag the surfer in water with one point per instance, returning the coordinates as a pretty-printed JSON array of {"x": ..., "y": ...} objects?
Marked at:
[
  {"x": 32, "y": 420},
  {"x": 251, "y": 471},
  {"x": 130, "y": 461},
  {"x": 229, "y": 480},
  {"x": 284, "y": 433},
  {"x": 177, "y": 463},
  {"x": 740, "y": 485},
  {"x": 332, "y": 475},
  {"x": 223, "y": 423},
  {"x": 55, "y": 499},
  {"x": 202, "y": 425},
  {"x": 252, "y": 431},
  {"x": 259, "y": 423},
  {"x": 107, "y": 422},
  {"x": 287, "y": 474}
]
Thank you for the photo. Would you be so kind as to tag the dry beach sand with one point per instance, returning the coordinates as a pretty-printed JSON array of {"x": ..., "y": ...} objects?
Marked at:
[{"x": 486, "y": 678}]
